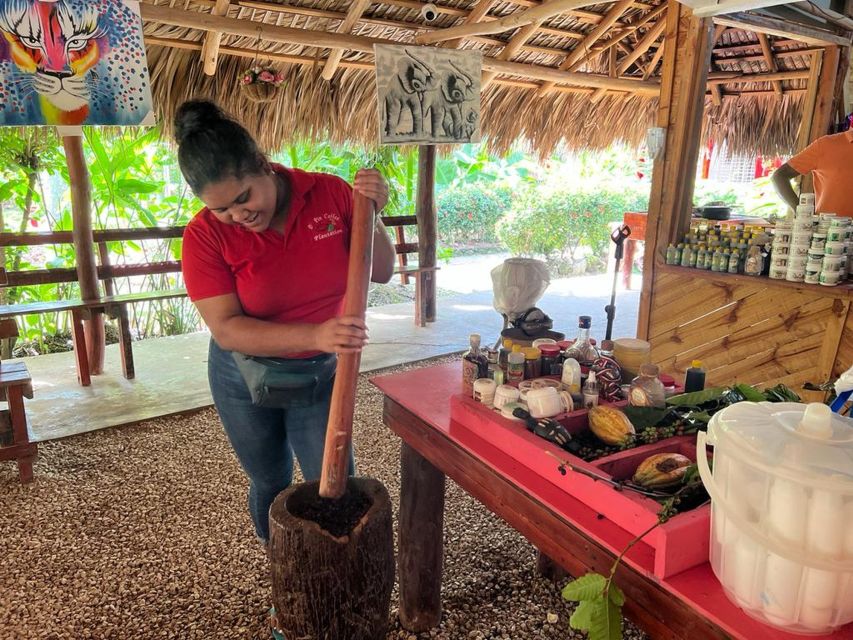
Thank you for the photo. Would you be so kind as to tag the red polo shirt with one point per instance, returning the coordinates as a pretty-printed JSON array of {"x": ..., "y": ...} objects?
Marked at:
[{"x": 297, "y": 276}]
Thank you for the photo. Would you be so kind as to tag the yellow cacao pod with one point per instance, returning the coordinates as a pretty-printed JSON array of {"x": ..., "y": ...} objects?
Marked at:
[
  {"x": 661, "y": 470},
  {"x": 609, "y": 425}
]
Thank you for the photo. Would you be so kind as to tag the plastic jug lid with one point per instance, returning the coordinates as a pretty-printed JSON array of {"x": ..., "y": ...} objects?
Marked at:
[{"x": 808, "y": 442}]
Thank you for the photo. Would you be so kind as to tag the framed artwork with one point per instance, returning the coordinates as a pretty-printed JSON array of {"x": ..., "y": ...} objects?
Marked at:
[
  {"x": 428, "y": 95},
  {"x": 73, "y": 62}
]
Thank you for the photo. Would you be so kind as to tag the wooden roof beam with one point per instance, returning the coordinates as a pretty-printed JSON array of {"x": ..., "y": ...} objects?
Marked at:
[
  {"x": 363, "y": 44},
  {"x": 356, "y": 9},
  {"x": 655, "y": 61},
  {"x": 733, "y": 77},
  {"x": 513, "y": 46},
  {"x": 210, "y": 48},
  {"x": 716, "y": 92},
  {"x": 477, "y": 14},
  {"x": 542, "y": 12},
  {"x": 581, "y": 53},
  {"x": 780, "y": 28},
  {"x": 767, "y": 52},
  {"x": 793, "y": 53}
]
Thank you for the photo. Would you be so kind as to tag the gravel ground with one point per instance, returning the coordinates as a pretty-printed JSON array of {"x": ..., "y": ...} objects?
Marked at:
[{"x": 142, "y": 532}]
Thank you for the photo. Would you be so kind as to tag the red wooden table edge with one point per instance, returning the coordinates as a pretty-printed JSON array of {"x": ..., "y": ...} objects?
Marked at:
[{"x": 430, "y": 430}]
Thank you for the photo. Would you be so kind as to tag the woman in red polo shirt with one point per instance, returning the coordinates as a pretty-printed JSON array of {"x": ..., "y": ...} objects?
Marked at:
[{"x": 265, "y": 263}]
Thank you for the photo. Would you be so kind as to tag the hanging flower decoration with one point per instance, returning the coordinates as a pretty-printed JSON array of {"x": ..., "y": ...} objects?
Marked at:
[{"x": 260, "y": 84}]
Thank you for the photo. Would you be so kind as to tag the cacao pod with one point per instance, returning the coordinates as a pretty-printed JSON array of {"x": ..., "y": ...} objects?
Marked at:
[
  {"x": 611, "y": 426},
  {"x": 661, "y": 470}
]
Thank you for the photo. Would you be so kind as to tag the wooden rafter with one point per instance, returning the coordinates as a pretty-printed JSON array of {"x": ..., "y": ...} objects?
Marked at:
[
  {"x": 781, "y": 28},
  {"x": 477, "y": 14},
  {"x": 805, "y": 52},
  {"x": 519, "y": 19},
  {"x": 356, "y": 9},
  {"x": 363, "y": 44},
  {"x": 210, "y": 49},
  {"x": 581, "y": 51},
  {"x": 734, "y": 77},
  {"x": 639, "y": 49},
  {"x": 513, "y": 46},
  {"x": 767, "y": 52},
  {"x": 308, "y": 61},
  {"x": 716, "y": 91},
  {"x": 655, "y": 61}
]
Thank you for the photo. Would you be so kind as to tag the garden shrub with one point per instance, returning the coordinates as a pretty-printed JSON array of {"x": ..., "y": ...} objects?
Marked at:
[
  {"x": 467, "y": 214},
  {"x": 565, "y": 225}
]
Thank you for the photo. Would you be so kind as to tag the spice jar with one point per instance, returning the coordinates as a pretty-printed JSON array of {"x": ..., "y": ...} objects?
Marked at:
[
  {"x": 550, "y": 357},
  {"x": 515, "y": 365},
  {"x": 532, "y": 367},
  {"x": 646, "y": 389}
]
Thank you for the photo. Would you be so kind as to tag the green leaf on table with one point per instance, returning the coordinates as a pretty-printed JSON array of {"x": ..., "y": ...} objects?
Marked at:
[
  {"x": 581, "y": 619},
  {"x": 696, "y": 398},
  {"x": 699, "y": 416},
  {"x": 644, "y": 417},
  {"x": 750, "y": 393},
  {"x": 616, "y": 596},
  {"x": 606, "y": 622},
  {"x": 585, "y": 588}
]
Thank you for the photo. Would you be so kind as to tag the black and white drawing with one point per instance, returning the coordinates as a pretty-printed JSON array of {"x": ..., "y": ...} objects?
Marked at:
[{"x": 428, "y": 95}]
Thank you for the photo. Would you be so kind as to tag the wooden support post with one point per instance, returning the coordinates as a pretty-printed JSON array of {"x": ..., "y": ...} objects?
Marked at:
[
  {"x": 682, "y": 100},
  {"x": 767, "y": 52},
  {"x": 354, "y": 13},
  {"x": 421, "y": 544},
  {"x": 84, "y": 248},
  {"x": 333, "y": 478},
  {"x": 427, "y": 229},
  {"x": 210, "y": 48}
]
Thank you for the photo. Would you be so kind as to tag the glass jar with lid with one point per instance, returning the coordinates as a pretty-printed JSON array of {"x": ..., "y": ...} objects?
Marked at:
[{"x": 646, "y": 389}]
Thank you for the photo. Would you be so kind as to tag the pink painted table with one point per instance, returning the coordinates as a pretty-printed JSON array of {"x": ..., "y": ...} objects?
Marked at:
[{"x": 689, "y": 605}]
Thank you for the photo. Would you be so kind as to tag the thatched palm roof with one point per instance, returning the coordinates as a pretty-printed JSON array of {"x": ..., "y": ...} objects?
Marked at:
[{"x": 759, "y": 116}]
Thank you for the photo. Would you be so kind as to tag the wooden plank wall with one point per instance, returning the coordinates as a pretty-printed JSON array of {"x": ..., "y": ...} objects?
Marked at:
[{"x": 749, "y": 330}]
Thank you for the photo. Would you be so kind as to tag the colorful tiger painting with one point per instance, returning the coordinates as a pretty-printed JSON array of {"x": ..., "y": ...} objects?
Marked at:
[{"x": 72, "y": 62}]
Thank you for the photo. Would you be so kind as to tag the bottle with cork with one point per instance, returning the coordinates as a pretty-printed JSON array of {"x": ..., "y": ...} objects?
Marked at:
[{"x": 475, "y": 365}]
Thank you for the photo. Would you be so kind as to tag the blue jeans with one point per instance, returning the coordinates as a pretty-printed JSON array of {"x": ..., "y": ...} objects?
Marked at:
[{"x": 265, "y": 440}]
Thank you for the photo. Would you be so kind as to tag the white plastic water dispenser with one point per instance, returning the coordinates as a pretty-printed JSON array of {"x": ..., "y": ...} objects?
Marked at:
[{"x": 782, "y": 512}]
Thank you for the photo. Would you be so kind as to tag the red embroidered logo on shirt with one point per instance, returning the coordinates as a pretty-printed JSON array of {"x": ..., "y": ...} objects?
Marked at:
[{"x": 329, "y": 223}]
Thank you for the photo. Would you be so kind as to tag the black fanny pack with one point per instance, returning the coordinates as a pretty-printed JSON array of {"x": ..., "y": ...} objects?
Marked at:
[{"x": 285, "y": 383}]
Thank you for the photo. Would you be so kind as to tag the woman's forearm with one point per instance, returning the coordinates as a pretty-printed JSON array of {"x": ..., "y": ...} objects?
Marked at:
[{"x": 261, "y": 338}]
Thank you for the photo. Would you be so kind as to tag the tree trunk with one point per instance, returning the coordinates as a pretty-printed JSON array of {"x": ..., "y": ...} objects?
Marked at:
[{"x": 327, "y": 587}]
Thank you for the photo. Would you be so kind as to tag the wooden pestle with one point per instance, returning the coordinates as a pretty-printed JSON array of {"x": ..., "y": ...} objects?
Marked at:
[{"x": 333, "y": 478}]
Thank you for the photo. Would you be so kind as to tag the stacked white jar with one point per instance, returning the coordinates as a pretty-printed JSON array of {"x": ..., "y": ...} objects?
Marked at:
[
  {"x": 835, "y": 250},
  {"x": 781, "y": 249},
  {"x": 801, "y": 238}
]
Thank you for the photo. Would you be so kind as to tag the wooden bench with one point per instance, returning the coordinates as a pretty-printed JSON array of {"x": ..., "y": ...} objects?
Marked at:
[
  {"x": 112, "y": 304},
  {"x": 15, "y": 384},
  {"x": 406, "y": 270}
]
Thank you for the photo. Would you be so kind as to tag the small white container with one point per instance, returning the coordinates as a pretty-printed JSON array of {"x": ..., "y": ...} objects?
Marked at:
[
  {"x": 834, "y": 264},
  {"x": 805, "y": 210},
  {"x": 829, "y": 279},
  {"x": 814, "y": 254},
  {"x": 812, "y": 277},
  {"x": 800, "y": 250},
  {"x": 778, "y": 273},
  {"x": 795, "y": 275},
  {"x": 807, "y": 198},
  {"x": 484, "y": 391},
  {"x": 781, "y": 249},
  {"x": 835, "y": 249},
  {"x": 802, "y": 227},
  {"x": 779, "y": 262},
  {"x": 814, "y": 265}
]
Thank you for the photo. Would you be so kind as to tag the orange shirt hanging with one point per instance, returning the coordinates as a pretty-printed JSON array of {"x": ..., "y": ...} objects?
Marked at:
[{"x": 830, "y": 158}]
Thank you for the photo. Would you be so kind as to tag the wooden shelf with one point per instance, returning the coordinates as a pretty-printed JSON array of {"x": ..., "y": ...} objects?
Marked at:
[{"x": 840, "y": 291}]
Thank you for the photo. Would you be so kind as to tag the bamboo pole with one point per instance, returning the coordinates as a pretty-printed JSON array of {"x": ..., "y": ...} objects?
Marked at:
[
  {"x": 84, "y": 247},
  {"x": 581, "y": 51},
  {"x": 542, "y": 12},
  {"x": 210, "y": 50},
  {"x": 477, "y": 14},
  {"x": 355, "y": 12},
  {"x": 333, "y": 478}
]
